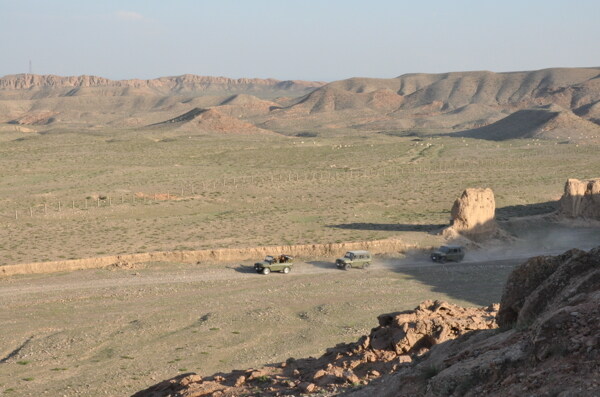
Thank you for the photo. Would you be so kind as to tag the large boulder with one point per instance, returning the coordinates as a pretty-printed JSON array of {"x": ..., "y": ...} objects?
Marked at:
[
  {"x": 581, "y": 199},
  {"x": 473, "y": 215}
]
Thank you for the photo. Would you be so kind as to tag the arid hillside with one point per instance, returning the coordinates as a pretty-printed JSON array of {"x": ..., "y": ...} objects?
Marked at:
[
  {"x": 556, "y": 104},
  {"x": 31, "y": 86},
  {"x": 450, "y": 101}
]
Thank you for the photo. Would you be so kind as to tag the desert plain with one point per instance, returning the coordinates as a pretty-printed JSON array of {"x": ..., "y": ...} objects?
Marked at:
[{"x": 95, "y": 168}]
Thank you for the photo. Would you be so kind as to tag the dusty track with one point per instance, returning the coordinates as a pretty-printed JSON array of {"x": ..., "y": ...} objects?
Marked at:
[
  {"x": 211, "y": 256},
  {"x": 216, "y": 272}
]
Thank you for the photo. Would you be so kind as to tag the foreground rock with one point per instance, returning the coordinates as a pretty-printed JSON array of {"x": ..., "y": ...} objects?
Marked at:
[
  {"x": 581, "y": 199},
  {"x": 548, "y": 343},
  {"x": 399, "y": 339}
]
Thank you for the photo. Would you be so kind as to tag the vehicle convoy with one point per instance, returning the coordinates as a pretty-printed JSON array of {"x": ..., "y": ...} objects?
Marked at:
[
  {"x": 282, "y": 263},
  {"x": 356, "y": 259},
  {"x": 445, "y": 253}
]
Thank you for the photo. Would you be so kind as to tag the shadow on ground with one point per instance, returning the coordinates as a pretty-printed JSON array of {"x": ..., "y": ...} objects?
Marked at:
[
  {"x": 517, "y": 211},
  {"x": 478, "y": 284},
  {"x": 323, "y": 264},
  {"x": 242, "y": 269},
  {"x": 392, "y": 227}
]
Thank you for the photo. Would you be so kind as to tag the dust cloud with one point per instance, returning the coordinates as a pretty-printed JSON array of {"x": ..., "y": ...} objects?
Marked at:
[{"x": 544, "y": 239}]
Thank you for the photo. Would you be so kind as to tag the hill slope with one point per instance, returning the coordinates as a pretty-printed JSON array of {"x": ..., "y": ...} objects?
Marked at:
[
  {"x": 438, "y": 103},
  {"x": 210, "y": 121},
  {"x": 549, "y": 122},
  {"x": 442, "y": 102}
]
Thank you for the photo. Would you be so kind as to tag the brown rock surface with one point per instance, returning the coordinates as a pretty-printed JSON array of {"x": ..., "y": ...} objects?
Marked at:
[
  {"x": 581, "y": 199},
  {"x": 473, "y": 215}
]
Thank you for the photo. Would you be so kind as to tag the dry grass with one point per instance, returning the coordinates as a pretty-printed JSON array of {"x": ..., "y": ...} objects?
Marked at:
[{"x": 342, "y": 193}]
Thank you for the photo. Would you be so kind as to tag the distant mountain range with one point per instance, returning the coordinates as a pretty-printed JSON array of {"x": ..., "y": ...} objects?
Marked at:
[{"x": 479, "y": 104}]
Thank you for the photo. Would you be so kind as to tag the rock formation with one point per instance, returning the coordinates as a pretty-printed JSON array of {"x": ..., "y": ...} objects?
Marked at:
[
  {"x": 473, "y": 215},
  {"x": 548, "y": 345},
  {"x": 173, "y": 84},
  {"x": 581, "y": 199}
]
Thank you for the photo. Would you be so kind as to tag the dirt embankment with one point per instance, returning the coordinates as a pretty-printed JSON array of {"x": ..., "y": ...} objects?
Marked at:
[{"x": 216, "y": 255}]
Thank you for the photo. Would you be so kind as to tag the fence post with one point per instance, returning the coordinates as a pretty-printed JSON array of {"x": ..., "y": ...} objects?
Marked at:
[
  {"x": 98, "y": 202},
  {"x": 73, "y": 204},
  {"x": 16, "y": 214},
  {"x": 45, "y": 209},
  {"x": 59, "y": 206},
  {"x": 30, "y": 211}
]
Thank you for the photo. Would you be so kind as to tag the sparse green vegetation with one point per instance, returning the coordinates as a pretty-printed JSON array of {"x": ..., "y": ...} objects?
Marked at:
[{"x": 402, "y": 183}]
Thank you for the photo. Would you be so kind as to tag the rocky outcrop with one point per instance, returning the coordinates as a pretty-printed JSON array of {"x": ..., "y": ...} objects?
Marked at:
[
  {"x": 548, "y": 343},
  {"x": 581, "y": 199},
  {"x": 174, "y": 84},
  {"x": 473, "y": 215}
]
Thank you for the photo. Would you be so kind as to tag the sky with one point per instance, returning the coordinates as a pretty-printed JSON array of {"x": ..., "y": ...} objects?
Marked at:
[{"x": 322, "y": 40}]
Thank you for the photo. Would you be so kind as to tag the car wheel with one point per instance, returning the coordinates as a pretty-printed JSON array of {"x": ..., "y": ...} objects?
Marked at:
[
  {"x": 347, "y": 266},
  {"x": 266, "y": 271},
  {"x": 286, "y": 270},
  {"x": 442, "y": 260},
  {"x": 366, "y": 265}
]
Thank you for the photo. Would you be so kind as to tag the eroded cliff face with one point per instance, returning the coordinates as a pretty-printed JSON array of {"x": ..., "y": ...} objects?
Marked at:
[
  {"x": 187, "y": 82},
  {"x": 581, "y": 199}
]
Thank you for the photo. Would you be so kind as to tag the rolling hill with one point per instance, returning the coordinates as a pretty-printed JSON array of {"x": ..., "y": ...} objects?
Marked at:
[{"x": 478, "y": 104}]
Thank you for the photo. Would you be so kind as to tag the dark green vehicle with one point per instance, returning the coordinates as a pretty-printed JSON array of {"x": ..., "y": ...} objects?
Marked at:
[
  {"x": 445, "y": 253},
  {"x": 356, "y": 259},
  {"x": 281, "y": 263}
]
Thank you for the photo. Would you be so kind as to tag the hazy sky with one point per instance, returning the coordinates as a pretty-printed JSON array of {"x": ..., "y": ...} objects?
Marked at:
[{"x": 288, "y": 39}]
